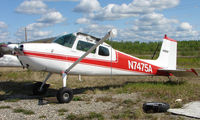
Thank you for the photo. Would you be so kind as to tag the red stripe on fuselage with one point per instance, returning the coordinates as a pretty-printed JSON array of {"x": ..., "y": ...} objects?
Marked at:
[{"x": 120, "y": 63}]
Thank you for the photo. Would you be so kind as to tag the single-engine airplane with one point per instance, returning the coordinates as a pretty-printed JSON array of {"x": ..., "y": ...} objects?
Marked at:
[{"x": 83, "y": 54}]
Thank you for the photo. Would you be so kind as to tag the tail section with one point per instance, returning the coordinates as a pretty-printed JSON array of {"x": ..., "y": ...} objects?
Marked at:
[{"x": 168, "y": 54}]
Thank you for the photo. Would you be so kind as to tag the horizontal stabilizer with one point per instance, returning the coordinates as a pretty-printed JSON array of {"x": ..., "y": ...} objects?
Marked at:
[{"x": 177, "y": 73}]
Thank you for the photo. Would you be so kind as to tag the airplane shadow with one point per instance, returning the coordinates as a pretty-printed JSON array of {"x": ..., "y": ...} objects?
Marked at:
[{"x": 23, "y": 90}]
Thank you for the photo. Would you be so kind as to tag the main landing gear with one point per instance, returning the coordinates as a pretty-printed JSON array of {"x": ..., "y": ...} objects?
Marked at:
[{"x": 64, "y": 94}]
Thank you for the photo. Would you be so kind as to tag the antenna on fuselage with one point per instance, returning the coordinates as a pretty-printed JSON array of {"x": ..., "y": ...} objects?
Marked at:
[{"x": 155, "y": 50}]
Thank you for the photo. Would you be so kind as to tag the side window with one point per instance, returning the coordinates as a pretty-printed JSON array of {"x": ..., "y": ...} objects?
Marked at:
[
  {"x": 103, "y": 51},
  {"x": 84, "y": 46}
]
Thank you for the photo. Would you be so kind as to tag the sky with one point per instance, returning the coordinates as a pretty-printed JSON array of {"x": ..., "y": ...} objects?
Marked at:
[{"x": 135, "y": 20}]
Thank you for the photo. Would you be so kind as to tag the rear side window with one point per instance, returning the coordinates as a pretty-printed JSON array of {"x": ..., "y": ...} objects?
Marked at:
[
  {"x": 103, "y": 51},
  {"x": 84, "y": 46}
]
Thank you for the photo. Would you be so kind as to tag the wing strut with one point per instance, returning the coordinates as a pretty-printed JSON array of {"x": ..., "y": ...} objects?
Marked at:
[{"x": 111, "y": 33}]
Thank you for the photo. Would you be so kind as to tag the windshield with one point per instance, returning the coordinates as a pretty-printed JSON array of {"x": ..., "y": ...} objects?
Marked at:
[{"x": 66, "y": 40}]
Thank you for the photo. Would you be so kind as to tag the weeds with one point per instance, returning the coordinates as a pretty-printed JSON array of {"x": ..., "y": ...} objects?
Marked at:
[
  {"x": 41, "y": 117},
  {"x": 12, "y": 100},
  {"x": 72, "y": 117},
  {"x": 93, "y": 115},
  {"x": 163, "y": 91},
  {"x": 26, "y": 112},
  {"x": 90, "y": 116},
  {"x": 77, "y": 98},
  {"x": 62, "y": 110},
  {"x": 104, "y": 99},
  {"x": 128, "y": 114},
  {"x": 128, "y": 102},
  {"x": 5, "y": 107}
]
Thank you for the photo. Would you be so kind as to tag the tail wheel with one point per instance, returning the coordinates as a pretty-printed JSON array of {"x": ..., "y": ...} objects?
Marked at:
[
  {"x": 36, "y": 88},
  {"x": 64, "y": 95}
]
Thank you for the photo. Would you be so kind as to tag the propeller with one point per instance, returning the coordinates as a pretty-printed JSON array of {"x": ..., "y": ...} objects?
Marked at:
[{"x": 3, "y": 50}]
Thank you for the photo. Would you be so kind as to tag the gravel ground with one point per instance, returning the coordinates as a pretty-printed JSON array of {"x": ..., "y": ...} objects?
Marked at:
[{"x": 51, "y": 107}]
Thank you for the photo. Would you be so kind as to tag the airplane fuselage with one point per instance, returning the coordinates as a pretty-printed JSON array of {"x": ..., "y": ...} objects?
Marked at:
[{"x": 53, "y": 57}]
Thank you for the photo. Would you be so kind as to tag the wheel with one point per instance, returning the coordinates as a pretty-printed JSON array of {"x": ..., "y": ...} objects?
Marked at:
[
  {"x": 36, "y": 88},
  {"x": 64, "y": 95}
]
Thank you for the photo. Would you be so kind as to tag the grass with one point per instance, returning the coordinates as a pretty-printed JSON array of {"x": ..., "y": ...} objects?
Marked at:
[
  {"x": 91, "y": 115},
  {"x": 164, "y": 91},
  {"x": 12, "y": 100},
  {"x": 77, "y": 98},
  {"x": 5, "y": 107},
  {"x": 104, "y": 99},
  {"x": 128, "y": 102},
  {"x": 72, "y": 117},
  {"x": 62, "y": 110},
  {"x": 128, "y": 114},
  {"x": 42, "y": 117},
  {"x": 188, "y": 62},
  {"x": 24, "y": 111}
]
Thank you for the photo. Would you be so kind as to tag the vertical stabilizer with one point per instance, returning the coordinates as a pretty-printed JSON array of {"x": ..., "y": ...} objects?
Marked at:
[{"x": 168, "y": 54}]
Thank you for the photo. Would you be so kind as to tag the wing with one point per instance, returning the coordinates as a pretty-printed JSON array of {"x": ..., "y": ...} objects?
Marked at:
[
  {"x": 112, "y": 33},
  {"x": 177, "y": 73}
]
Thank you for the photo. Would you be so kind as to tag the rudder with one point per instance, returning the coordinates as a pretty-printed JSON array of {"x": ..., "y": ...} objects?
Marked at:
[{"x": 168, "y": 54}]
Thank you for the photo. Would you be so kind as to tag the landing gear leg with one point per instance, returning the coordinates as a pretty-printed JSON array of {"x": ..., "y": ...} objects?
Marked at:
[
  {"x": 40, "y": 88},
  {"x": 64, "y": 94}
]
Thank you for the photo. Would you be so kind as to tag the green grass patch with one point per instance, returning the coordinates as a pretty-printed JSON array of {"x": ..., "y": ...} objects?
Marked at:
[
  {"x": 128, "y": 102},
  {"x": 12, "y": 100},
  {"x": 5, "y": 107},
  {"x": 128, "y": 114},
  {"x": 24, "y": 111},
  {"x": 77, "y": 98},
  {"x": 72, "y": 117},
  {"x": 104, "y": 99},
  {"x": 92, "y": 115},
  {"x": 164, "y": 91},
  {"x": 42, "y": 117},
  {"x": 188, "y": 62},
  {"x": 62, "y": 110}
]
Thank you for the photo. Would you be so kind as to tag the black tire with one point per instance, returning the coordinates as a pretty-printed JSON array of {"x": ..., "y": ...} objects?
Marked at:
[
  {"x": 155, "y": 107},
  {"x": 64, "y": 95},
  {"x": 36, "y": 88}
]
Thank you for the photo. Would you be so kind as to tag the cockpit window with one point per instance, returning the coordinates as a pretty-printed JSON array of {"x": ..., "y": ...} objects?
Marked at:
[
  {"x": 66, "y": 40},
  {"x": 84, "y": 46},
  {"x": 103, "y": 51}
]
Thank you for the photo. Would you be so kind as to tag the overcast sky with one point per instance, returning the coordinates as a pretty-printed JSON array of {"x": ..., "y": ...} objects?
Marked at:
[{"x": 136, "y": 20}]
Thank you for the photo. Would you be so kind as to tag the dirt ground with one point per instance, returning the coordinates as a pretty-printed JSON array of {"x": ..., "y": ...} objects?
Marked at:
[{"x": 96, "y": 97}]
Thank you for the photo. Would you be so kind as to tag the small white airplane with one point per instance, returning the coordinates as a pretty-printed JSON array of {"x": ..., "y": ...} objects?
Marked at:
[{"x": 83, "y": 54}]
